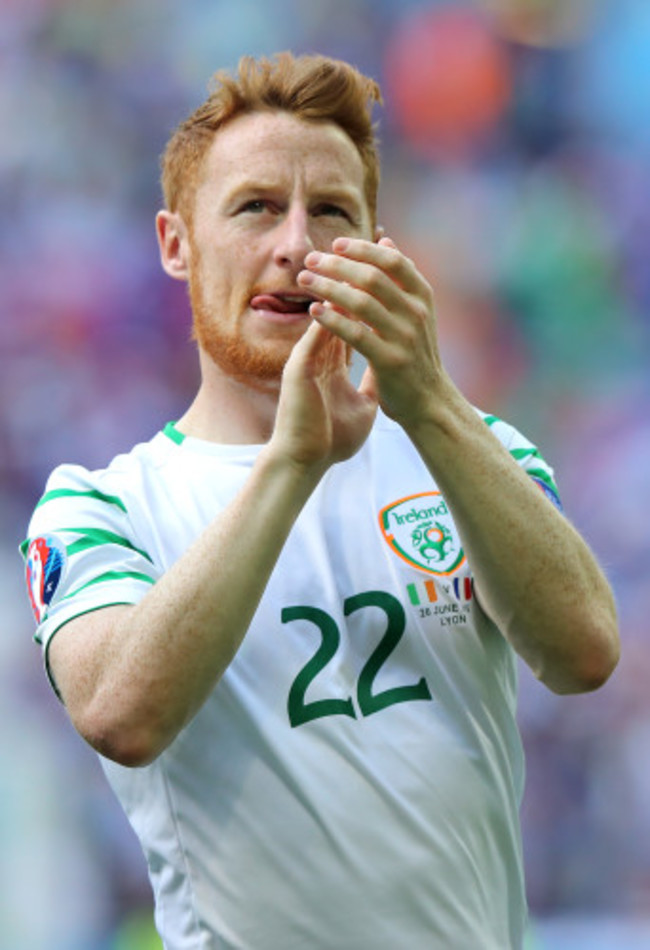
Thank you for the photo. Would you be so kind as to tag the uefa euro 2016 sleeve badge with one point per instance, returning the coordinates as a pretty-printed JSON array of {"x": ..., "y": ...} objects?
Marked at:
[{"x": 45, "y": 561}]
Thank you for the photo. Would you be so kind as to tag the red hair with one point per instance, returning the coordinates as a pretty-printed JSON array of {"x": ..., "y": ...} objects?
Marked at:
[{"x": 311, "y": 87}]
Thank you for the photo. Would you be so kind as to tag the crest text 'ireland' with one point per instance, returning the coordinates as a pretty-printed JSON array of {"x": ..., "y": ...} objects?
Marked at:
[{"x": 420, "y": 530}]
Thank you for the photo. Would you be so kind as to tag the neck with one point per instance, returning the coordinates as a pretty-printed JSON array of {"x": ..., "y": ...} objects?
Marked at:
[{"x": 231, "y": 411}]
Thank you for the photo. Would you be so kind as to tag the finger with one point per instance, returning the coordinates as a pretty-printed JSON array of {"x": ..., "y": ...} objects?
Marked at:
[
  {"x": 358, "y": 289},
  {"x": 383, "y": 254},
  {"x": 355, "y": 334},
  {"x": 306, "y": 349},
  {"x": 368, "y": 385},
  {"x": 310, "y": 341},
  {"x": 352, "y": 303},
  {"x": 319, "y": 352}
]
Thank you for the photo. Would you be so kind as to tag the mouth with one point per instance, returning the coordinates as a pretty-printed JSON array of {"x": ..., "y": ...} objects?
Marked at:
[{"x": 282, "y": 307}]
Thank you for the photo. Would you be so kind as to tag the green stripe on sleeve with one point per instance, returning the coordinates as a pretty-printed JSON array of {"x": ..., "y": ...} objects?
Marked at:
[
  {"x": 73, "y": 493},
  {"x": 527, "y": 454},
  {"x": 539, "y": 473},
  {"x": 94, "y": 537},
  {"x": 543, "y": 476},
  {"x": 530, "y": 452},
  {"x": 111, "y": 576}
]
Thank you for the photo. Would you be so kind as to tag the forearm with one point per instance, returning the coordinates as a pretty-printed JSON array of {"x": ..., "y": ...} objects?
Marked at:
[
  {"x": 534, "y": 575},
  {"x": 152, "y": 666},
  {"x": 132, "y": 677}
]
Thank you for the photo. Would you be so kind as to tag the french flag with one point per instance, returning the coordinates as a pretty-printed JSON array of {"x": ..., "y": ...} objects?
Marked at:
[{"x": 463, "y": 588}]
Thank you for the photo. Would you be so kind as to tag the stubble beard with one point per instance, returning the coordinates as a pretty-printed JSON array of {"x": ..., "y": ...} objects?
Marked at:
[{"x": 259, "y": 366}]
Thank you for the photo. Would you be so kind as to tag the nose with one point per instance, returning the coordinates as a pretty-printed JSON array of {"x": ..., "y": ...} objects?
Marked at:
[{"x": 293, "y": 238}]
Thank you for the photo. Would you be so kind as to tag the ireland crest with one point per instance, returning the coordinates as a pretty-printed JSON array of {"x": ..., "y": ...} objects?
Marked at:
[{"x": 420, "y": 531}]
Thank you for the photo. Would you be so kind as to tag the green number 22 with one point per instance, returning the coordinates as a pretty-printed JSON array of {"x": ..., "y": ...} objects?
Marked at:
[{"x": 369, "y": 702}]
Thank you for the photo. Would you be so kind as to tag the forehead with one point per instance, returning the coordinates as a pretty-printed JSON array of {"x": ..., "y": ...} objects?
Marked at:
[{"x": 276, "y": 146}]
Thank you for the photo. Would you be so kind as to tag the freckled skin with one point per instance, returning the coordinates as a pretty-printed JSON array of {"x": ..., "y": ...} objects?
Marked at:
[{"x": 274, "y": 188}]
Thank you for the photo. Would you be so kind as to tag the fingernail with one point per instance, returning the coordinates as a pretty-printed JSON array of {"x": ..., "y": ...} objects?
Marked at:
[
  {"x": 313, "y": 259},
  {"x": 306, "y": 277},
  {"x": 340, "y": 244}
]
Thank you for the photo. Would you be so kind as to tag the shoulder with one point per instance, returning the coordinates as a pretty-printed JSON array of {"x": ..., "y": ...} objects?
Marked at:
[
  {"x": 96, "y": 501},
  {"x": 510, "y": 437},
  {"x": 84, "y": 537},
  {"x": 390, "y": 438},
  {"x": 526, "y": 454},
  {"x": 80, "y": 486},
  {"x": 519, "y": 445},
  {"x": 506, "y": 433}
]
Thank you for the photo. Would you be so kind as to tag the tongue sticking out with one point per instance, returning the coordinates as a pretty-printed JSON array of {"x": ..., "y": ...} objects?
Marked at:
[{"x": 280, "y": 304}]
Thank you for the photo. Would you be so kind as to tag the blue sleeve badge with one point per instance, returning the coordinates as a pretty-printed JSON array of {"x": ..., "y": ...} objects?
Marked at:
[
  {"x": 45, "y": 560},
  {"x": 548, "y": 491}
]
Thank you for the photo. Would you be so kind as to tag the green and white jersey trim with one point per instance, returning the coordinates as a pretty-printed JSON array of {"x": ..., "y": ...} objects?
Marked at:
[
  {"x": 368, "y": 666},
  {"x": 526, "y": 455},
  {"x": 104, "y": 562},
  {"x": 108, "y": 561}
]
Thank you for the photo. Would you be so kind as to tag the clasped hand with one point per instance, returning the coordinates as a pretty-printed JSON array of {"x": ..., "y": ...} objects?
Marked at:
[{"x": 373, "y": 300}]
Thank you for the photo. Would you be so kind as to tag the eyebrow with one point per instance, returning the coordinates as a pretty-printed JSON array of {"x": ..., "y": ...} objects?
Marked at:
[{"x": 345, "y": 194}]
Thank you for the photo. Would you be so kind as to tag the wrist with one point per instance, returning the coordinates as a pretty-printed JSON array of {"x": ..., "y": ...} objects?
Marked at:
[
  {"x": 295, "y": 474},
  {"x": 439, "y": 416}
]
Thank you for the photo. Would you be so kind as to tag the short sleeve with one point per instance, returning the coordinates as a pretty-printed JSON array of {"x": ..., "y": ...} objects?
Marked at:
[
  {"x": 527, "y": 456},
  {"x": 80, "y": 553}
]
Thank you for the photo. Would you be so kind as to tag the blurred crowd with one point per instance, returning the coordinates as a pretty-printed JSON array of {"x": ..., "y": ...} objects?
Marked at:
[{"x": 516, "y": 173}]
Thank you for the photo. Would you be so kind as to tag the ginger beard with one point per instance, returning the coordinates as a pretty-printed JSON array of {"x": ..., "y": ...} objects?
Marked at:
[{"x": 259, "y": 365}]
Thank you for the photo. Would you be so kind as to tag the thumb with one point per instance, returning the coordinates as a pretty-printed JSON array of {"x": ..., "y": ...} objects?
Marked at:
[
  {"x": 368, "y": 385},
  {"x": 306, "y": 352}
]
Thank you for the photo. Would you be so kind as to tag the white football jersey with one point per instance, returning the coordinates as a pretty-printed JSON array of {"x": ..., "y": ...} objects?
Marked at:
[{"x": 354, "y": 779}]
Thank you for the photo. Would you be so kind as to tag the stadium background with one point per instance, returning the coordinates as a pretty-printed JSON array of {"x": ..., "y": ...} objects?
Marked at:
[{"x": 516, "y": 141}]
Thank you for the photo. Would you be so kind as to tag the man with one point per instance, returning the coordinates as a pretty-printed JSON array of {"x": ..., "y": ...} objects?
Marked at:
[{"x": 289, "y": 623}]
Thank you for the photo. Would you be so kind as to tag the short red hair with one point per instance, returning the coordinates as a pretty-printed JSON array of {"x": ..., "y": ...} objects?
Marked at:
[{"x": 311, "y": 87}]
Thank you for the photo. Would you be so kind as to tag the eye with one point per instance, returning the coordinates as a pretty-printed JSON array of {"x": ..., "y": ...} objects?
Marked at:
[
  {"x": 332, "y": 210},
  {"x": 255, "y": 205}
]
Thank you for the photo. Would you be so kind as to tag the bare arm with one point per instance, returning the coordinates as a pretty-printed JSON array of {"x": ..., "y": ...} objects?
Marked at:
[
  {"x": 132, "y": 677},
  {"x": 535, "y": 576}
]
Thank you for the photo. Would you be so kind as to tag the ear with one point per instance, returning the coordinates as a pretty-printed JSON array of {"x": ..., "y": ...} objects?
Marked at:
[{"x": 174, "y": 245}]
